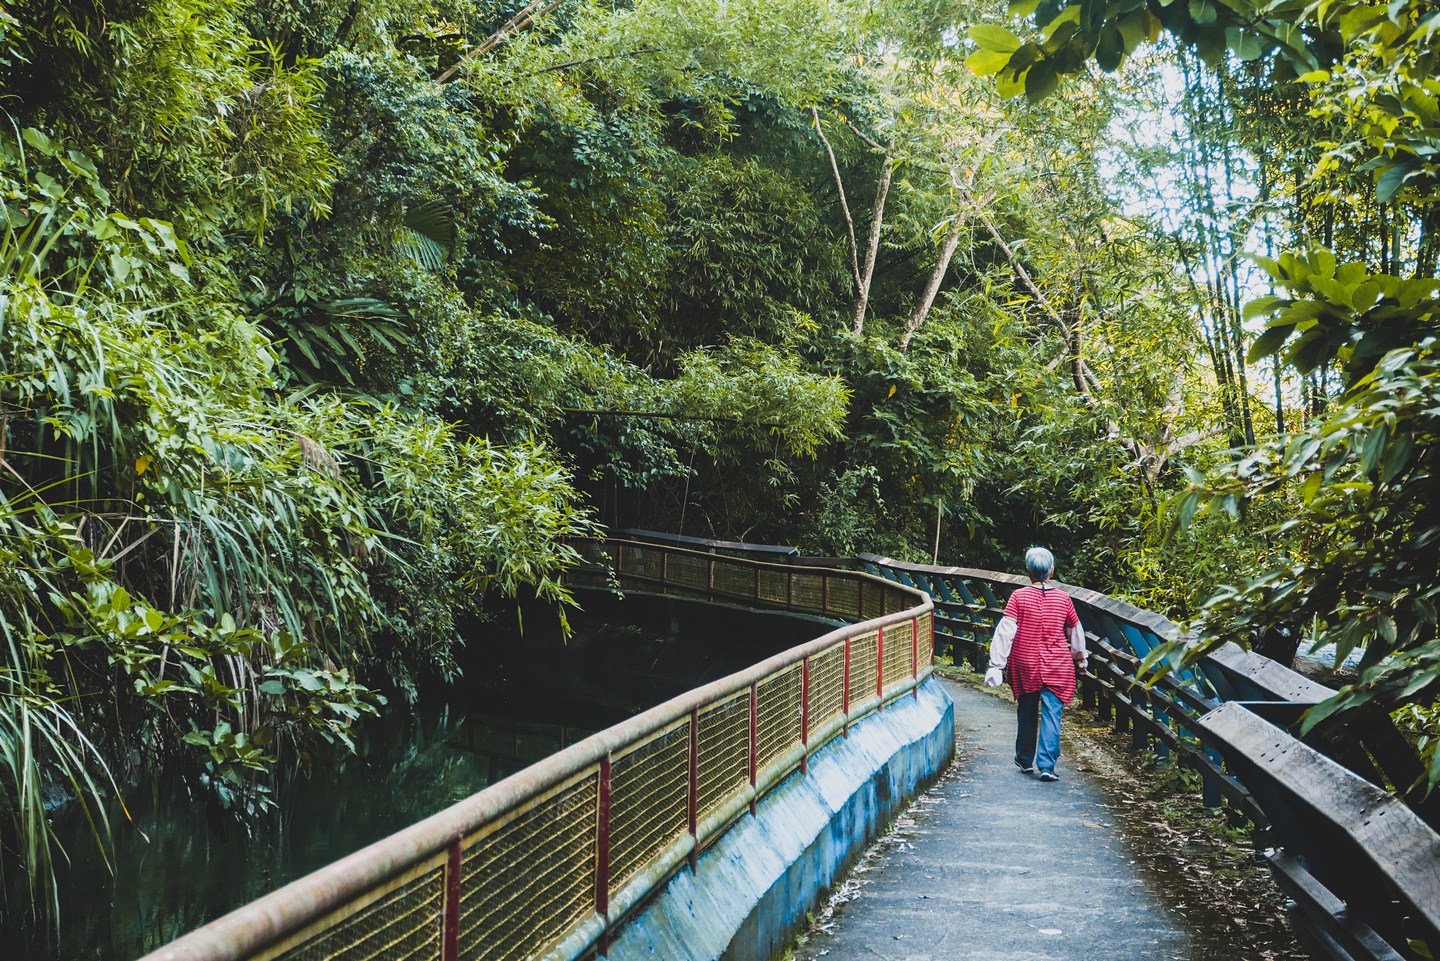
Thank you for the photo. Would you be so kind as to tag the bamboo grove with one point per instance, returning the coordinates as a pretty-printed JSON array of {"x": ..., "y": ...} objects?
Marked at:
[{"x": 324, "y": 322}]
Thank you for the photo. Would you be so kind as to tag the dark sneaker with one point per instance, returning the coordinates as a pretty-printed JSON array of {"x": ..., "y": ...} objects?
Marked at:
[
  {"x": 1048, "y": 776},
  {"x": 1025, "y": 768}
]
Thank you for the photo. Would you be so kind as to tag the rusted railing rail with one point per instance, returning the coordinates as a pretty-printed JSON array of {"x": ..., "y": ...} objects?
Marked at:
[
  {"x": 1343, "y": 816},
  {"x": 544, "y": 863}
]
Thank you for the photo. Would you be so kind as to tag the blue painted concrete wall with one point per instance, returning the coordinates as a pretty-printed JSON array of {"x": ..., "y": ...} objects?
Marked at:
[{"x": 751, "y": 890}]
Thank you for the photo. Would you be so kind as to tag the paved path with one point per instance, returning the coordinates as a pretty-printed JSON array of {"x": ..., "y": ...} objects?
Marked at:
[{"x": 995, "y": 865}]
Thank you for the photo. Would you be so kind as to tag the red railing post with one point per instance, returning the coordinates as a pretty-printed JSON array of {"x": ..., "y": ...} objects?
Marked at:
[
  {"x": 695, "y": 786},
  {"x": 754, "y": 736},
  {"x": 845, "y": 690},
  {"x": 915, "y": 657},
  {"x": 450, "y": 937},
  {"x": 602, "y": 853},
  {"x": 805, "y": 716},
  {"x": 879, "y": 665}
]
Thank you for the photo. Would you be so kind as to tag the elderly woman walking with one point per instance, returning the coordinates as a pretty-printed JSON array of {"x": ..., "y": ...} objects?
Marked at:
[{"x": 1042, "y": 643}]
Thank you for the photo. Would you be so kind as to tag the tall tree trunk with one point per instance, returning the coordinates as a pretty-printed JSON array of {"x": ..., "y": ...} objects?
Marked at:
[
  {"x": 872, "y": 247},
  {"x": 937, "y": 276},
  {"x": 844, "y": 204}
]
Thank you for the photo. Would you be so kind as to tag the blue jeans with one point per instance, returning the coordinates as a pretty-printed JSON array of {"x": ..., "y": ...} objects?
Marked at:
[{"x": 1038, "y": 749}]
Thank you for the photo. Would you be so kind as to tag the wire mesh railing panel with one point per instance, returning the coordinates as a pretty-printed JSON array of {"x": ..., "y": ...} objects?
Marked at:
[
  {"x": 863, "y": 650},
  {"x": 528, "y": 882},
  {"x": 735, "y": 579},
  {"x": 404, "y": 924},
  {"x": 842, "y": 595},
  {"x": 689, "y": 570},
  {"x": 872, "y": 599},
  {"x": 641, "y": 561},
  {"x": 649, "y": 801},
  {"x": 925, "y": 643},
  {"x": 899, "y": 646},
  {"x": 593, "y": 552},
  {"x": 580, "y": 577},
  {"x": 827, "y": 686},
  {"x": 807, "y": 591},
  {"x": 724, "y": 760},
  {"x": 774, "y": 586},
  {"x": 777, "y": 726}
]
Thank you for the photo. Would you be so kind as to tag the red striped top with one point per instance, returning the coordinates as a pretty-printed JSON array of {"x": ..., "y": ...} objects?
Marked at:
[{"x": 1040, "y": 655}]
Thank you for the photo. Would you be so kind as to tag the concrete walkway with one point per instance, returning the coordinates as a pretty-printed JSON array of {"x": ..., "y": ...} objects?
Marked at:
[{"x": 995, "y": 865}]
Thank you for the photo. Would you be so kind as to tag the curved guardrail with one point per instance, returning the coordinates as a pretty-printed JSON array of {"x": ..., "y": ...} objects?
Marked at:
[
  {"x": 1164, "y": 715},
  {"x": 544, "y": 863},
  {"x": 1345, "y": 822}
]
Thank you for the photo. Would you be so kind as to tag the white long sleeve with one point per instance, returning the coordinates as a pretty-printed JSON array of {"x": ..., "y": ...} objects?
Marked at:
[
  {"x": 1001, "y": 640},
  {"x": 1077, "y": 640}
]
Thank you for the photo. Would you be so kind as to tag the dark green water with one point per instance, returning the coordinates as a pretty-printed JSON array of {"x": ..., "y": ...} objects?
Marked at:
[{"x": 522, "y": 697}]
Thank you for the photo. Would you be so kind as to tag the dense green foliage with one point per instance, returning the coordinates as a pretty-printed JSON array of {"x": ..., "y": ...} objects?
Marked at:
[
  {"x": 324, "y": 323},
  {"x": 1337, "y": 99}
]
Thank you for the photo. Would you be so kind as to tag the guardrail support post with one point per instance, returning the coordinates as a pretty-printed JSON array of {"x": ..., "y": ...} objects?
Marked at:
[
  {"x": 879, "y": 666},
  {"x": 1210, "y": 791},
  {"x": 915, "y": 658},
  {"x": 450, "y": 937},
  {"x": 789, "y": 588},
  {"x": 602, "y": 853},
  {"x": 754, "y": 736},
  {"x": 694, "y": 806},
  {"x": 805, "y": 716},
  {"x": 845, "y": 691},
  {"x": 1139, "y": 732}
]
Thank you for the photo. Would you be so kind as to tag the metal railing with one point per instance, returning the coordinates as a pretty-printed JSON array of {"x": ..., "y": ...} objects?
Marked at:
[
  {"x": 543, "y": 864},
  {"x": 1343, "y": 816},
  {"x": 1163, "y": 716}
]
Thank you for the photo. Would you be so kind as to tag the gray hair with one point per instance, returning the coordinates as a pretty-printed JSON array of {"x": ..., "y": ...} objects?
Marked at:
[{"x": 1039, "y": 563}]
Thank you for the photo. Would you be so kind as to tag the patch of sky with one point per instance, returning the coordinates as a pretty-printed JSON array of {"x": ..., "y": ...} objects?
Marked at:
[{"x": 1175, "y": 161}]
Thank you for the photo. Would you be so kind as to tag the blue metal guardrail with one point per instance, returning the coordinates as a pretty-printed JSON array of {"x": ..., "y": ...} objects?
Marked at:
[{"x": 1342, "y": 816}]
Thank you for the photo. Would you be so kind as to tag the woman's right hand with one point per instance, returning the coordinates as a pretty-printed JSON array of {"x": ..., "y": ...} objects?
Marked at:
[{"x": 994, "y": 676}]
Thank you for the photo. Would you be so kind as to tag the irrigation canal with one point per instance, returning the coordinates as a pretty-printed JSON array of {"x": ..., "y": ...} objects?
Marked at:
[{"x": 522, "y": 696}]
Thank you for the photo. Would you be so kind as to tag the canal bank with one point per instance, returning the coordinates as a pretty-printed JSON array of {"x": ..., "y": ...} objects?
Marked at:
[
  {"x": 177, "y": 860},
  {"x": 754, "y": 887}
]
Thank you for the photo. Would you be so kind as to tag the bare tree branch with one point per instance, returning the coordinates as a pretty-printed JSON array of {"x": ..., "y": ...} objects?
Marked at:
[
  {"x": 1085, "y": 380},
  {"x": 877, "y": 220},
  {"x": 937, "y": 276},
  {"x": 844, "y": 204},
  {"x": 521, "y": 20}
]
